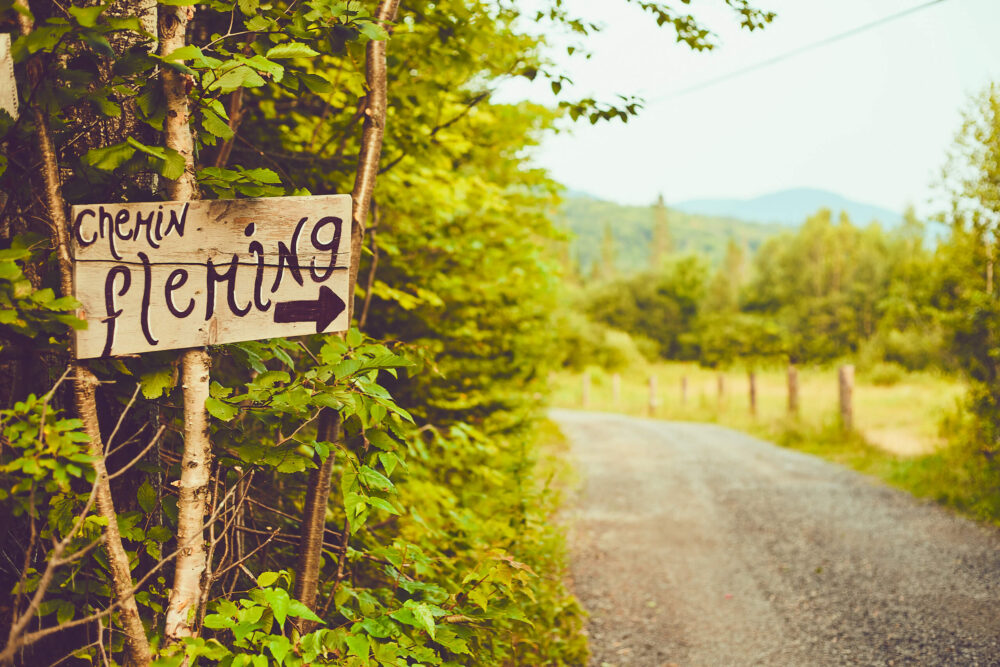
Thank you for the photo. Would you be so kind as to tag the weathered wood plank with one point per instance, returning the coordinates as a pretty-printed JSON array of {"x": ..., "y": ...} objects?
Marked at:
[{"x": 168, "y": 275}]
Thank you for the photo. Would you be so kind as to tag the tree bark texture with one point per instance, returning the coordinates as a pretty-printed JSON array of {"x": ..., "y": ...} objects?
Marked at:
[
  {"x": 137, "y": 651},
  {"x": 314, "y": 519},
  {"x": 192, "y": 501},
  {"x": 196, "y": 460},
  {"x": 177, "y": 135},
  {"x": 371, "y": 139}
]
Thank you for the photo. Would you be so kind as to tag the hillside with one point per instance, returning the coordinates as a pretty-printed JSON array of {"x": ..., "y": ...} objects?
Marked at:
[
  {"x": 790, "y": 207},
  {"x": 632, "y": 226}
]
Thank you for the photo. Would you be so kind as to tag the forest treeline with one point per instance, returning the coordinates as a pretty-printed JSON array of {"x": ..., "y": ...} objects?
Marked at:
[{"x": 920, "y": 296}]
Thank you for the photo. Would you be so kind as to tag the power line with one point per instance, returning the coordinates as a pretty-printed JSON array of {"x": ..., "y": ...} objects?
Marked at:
[{"x": 795, "y": 52}]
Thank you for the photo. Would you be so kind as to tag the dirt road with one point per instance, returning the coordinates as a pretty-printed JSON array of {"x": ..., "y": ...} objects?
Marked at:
[{"x": 696, "y": 545}]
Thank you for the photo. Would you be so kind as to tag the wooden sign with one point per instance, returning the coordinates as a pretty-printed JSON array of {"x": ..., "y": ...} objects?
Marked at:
[{"x": 168, "y": 275}]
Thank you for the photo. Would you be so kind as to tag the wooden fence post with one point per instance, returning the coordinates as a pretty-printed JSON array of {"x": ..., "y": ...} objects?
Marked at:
[
  {"x": 793, "y": 391},
  {"x": 585, "y": 389},
  {"x": 616, "y": 388},
  {"x": 846, "y": 377},
  {"x": 653, "y": 402},
  {"x": 684, "y": 390},
  {"x": 720, "y": 387},
  {"x": 753, "y": 393}
]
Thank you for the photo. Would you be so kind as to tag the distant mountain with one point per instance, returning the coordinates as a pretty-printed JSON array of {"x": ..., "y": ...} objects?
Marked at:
[
  {"x": 790, "y": 207},
  {"x": 632, "y": 227}
]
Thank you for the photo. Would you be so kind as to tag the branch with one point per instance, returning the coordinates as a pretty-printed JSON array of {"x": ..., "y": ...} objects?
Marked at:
[{"x": 371, "y": 140}]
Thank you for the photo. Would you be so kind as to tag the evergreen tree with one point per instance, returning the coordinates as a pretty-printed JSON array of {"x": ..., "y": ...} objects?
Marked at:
[{"x": 663, "y": 242}]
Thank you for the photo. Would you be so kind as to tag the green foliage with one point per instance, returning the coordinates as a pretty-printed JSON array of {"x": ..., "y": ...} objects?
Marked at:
[
  {"x": 26, "y": 313},
  {"x": 660, "y": 306},
  {"x": 439, "y": 548},
  {"x": 586, "y": 343},
  {"x": 636, "y": 240}
]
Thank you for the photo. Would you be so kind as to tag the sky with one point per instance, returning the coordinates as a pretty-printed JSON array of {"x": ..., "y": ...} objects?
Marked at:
[{"x": 870, "y": 117}]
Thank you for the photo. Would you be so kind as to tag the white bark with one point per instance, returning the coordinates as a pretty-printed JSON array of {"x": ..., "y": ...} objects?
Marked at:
[{"x": 192, "y": 502}]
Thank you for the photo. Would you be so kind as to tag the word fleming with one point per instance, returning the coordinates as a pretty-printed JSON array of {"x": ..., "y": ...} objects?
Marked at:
[{"x": 168, "y": 275}]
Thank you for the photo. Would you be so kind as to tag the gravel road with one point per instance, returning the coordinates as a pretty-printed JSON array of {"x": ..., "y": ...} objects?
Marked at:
[{"x": 692, "y": 544}]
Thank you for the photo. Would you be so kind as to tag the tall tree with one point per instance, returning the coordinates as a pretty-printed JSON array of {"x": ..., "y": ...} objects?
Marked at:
[{"x": 663, "y": 243}]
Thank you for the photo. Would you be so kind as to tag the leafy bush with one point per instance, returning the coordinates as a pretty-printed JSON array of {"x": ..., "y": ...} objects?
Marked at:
[
  {"x": 884, "y": 374},
  {"x": 587, "y": 343}
]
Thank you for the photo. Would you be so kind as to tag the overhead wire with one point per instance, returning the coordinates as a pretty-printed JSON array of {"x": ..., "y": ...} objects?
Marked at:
[{"x": 797, "y": 51}]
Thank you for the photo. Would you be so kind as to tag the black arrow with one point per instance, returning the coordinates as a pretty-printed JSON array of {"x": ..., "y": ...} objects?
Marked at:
[{"x": 323, "y": 310}]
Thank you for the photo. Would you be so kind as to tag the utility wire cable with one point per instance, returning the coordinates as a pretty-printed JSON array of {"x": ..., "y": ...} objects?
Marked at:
[{"x": 795, "y": 52}]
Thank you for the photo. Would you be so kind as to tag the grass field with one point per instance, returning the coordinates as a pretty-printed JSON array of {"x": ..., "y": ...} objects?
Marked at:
[
  {"x": 903, "y": 418},
  {"x": 898, "y": 436}
]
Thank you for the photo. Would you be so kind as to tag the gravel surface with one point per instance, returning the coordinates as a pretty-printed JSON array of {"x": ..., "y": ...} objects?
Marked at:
[{"x": 692, "y": 544}]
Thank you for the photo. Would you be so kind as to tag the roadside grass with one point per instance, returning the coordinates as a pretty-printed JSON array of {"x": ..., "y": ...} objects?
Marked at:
[{"x": 907, "y": 425}]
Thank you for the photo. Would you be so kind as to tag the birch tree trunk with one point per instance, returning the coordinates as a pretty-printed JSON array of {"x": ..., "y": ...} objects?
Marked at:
[
  {"x": 137, "y": 651},
  {"x": 196, "y": 460}
]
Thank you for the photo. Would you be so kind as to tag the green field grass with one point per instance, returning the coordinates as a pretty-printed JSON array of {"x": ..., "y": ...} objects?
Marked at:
[
  {"x": 903, "y": 418},
  {"x": 899, "y": 433}
]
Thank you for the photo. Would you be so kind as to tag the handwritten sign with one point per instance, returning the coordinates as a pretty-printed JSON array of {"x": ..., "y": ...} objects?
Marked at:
[{"x": 168, "y": 275}]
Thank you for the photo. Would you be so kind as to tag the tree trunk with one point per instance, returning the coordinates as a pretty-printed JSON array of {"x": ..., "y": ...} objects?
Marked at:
[
  {"x": 137, "y": 651},
  {"x": 793, "y": 390},
  {"x": 314, "y": 515},
  {"x": 192, "y": 502},
  {"x": 196, "y": 460},
  {"x": 846, "y": 380},
  {"x": 314, "y": 519}
]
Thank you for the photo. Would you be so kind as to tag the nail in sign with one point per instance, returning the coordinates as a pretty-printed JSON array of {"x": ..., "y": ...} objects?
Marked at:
[{"x": 168, "y": 275}]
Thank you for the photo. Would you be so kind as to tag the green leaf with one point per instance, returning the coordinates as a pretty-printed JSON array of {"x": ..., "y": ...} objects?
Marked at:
[
  {"x": 315, "y": 83},
  {"x": 382, "y": 504},
  {"x": 299, "y": 610},
  {"x": 382, "y": 440},
  {"x": 87, "y": 16},
  {"x": 425, "y": 619},
  {"x": 110, "y": 157},
  {"x": 147, "y": 497},
  {"x": 65, "y": 612},
  {"x": 358, "y": 645},
  {"x": 242, "y": 76},
  {"x": 155, "y": 383},
  {"x": 249, "y": 7},
  {"x": 267, "y": 579},
  {"x": 278, "y": 600},
  {"x": 291, "y": 50},
  {"x": 279, "y": 647},
  {"x": 189, "y": 52},
  {"x": 389, "y": 461},
  {"x": 373, "y": 31},
  {"x": 221, "y": 410},
  {"x": 375, "y": 479},
  {"x": 270, "y": 378},
  {"x": 215, "y": 125}
]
